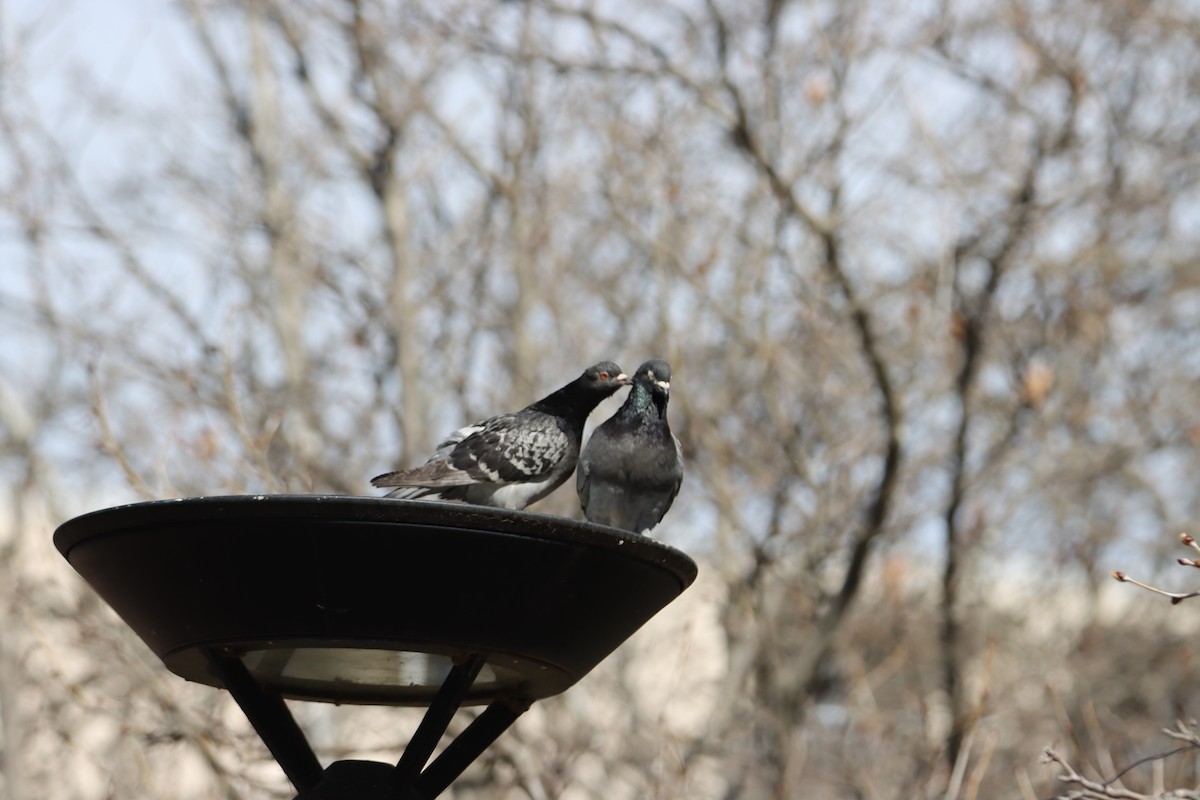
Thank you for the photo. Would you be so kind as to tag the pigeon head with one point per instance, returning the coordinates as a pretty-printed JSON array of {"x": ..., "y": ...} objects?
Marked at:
[
  {"x": 656, "y": 375},
  {"x": 604, "y": 378},
  {"x": 654, "y": 378}
]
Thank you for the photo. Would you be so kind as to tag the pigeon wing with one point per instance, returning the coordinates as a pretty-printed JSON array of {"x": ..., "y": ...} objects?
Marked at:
[
  {"x": 659, "y": 504},
  {"x": 512, "y": 448},
  {"x": 601, "y": 456}
]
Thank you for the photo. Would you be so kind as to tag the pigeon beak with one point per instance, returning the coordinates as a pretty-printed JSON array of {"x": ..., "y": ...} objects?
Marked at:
[
  {"x": 664, "y": 385},
  {"x": 623, "y": 380}
]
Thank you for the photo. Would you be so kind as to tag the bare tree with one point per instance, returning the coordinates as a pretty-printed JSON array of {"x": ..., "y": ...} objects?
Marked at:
[{"x": 924, "y": 276}]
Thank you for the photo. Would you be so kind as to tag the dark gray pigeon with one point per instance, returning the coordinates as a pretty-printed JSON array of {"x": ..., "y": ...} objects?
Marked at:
[
  {"x": 511, "y": 460},
  {"x": 632, "y": 467}
]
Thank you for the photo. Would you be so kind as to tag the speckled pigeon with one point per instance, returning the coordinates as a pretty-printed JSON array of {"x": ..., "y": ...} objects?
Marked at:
[
  {"x": 632, "y": 467},
  {"x": 511, "y": 460}
]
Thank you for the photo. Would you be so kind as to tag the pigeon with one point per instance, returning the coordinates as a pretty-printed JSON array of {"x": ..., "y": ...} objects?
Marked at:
[
  {"x": 632, "y": 467},
  {"x": 511, "y": 460}
]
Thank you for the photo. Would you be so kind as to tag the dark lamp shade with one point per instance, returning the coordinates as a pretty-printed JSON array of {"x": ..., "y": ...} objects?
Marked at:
[{"x": 372, "y": 600}]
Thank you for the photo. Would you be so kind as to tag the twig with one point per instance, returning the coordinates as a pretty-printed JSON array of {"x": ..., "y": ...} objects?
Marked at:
[
  {"x": 1190, "y": 541},
  {"x": 1096, "y": 789},
  {"x": 1184, "y": 733},
  {"x": 1149, "y": 758},
  {"x": 1176, "y": 597},
  {"x": 108, "y": 439}
]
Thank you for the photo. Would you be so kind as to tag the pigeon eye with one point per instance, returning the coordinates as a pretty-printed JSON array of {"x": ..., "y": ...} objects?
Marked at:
[{"x": 603, "y": 376}]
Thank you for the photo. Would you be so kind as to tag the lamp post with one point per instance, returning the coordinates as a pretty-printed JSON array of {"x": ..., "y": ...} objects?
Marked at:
[{"x": 373, "y": 601}]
